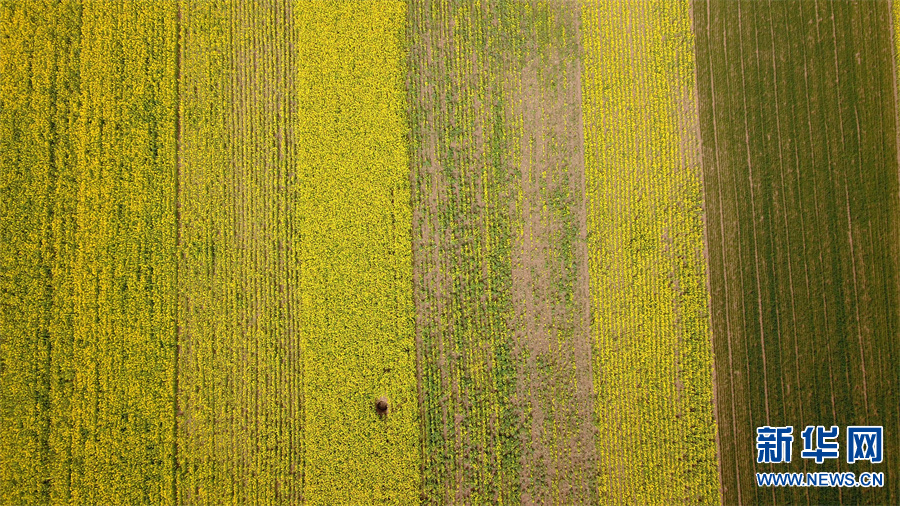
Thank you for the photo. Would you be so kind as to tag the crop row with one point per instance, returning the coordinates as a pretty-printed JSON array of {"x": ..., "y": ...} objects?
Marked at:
[
  {"x": 461, "y": 228},
  {"x": 649, "y": 315},
  {"x": 295, "y": 301},
  {"x": 239, "y": 406}
]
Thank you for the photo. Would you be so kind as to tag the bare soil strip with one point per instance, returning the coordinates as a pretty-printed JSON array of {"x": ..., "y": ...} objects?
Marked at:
[
  {"x": 461, "y": 242},
  {"x": 499, "y": 254},
  {"x": 800, "y": 174},
  {"x": 549, "y": 257}
]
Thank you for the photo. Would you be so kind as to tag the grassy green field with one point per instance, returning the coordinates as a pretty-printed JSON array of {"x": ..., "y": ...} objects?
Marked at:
[{"x": 800, "y": 171}]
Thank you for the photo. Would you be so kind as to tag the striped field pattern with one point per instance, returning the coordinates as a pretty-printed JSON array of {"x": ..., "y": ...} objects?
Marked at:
[
  {"x": 88, "y": 252},
  {"x": 443, "y": 252},
  {"x": 800, "y": 170}
]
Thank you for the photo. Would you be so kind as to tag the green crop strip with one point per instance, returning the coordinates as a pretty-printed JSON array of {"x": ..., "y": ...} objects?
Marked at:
[
  {"x": 801, "y": 178},
  {"x": 462, "y": 233},
  {"x": 497, "y": 244}
]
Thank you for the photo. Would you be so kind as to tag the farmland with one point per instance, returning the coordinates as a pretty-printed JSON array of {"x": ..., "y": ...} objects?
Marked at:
[
  {"x": 158, "y": 340},
  {"x": 492, "y": 252},
  {"x": 499, "y": 222},
  {"x": 649, "y": 329},
  {"x": 88, "y": 253},
  {"x": 239, "y": 372},
  {"x": 502, "y": 173},
  {"x": 800, "y": 170},
  {"x": 357, "y": 327},
  {"x": 323, "y": 321},
  {"x": 461, "y": 194}
]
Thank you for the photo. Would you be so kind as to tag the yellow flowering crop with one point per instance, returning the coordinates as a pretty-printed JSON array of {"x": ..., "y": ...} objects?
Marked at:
[
  {"x": 295, "y": 305},
  {"x": 88, "y": 252},
  {"x": 652, "y": 355},
  {"x": 356, "y": 291},
  {"x": 239, "y": 405},
  {"x": 208, "y": 212}
]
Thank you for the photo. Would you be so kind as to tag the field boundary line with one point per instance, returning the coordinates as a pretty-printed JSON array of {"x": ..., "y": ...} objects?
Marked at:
[
  {"x": 724, "y": 270},
  {"x": 705, "y": 207},
  {"x": 177, "y": 216}
]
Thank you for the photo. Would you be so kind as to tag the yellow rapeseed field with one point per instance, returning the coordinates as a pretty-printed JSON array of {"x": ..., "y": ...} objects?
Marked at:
[
  {"x": 652, "y": 355},
  {"x": 206, "y": 253},
  {"x": 356, "y": 291},
  {"x": 295, "y": 309},
  {"x": 239, "y": 404},
  {"x": 86, "y": 326}
]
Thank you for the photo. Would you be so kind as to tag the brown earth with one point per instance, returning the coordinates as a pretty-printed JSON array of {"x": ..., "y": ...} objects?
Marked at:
[
  {"x": 551, "y": 298},
  {"x": 458, "y": 290},
  {"x": 499, "y": 254}
]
